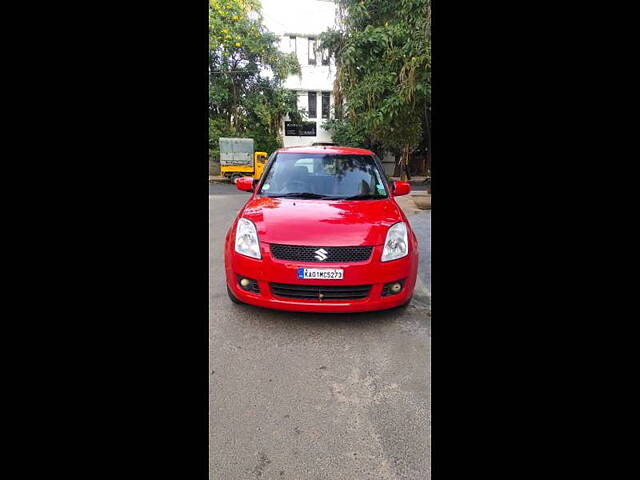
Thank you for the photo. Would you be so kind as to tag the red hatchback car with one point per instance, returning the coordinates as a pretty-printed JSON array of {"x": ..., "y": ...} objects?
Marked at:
[{"x": 322, "y": 233}]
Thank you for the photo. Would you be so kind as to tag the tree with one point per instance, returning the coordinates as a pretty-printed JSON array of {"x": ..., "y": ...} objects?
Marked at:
[
  {"x": 246, "y": 76},
  {"x": 383, "y": 74}
]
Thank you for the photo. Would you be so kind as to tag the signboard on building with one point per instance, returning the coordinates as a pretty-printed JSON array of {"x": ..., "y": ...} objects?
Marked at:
[{"x": 304, "y": 129}]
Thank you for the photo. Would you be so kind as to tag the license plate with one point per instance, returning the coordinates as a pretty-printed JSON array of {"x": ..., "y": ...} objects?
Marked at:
[{"x": 320, "y": 273}]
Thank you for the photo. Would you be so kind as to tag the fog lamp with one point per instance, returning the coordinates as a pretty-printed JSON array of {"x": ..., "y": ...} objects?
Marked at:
[{"x": 392, "y": 288}]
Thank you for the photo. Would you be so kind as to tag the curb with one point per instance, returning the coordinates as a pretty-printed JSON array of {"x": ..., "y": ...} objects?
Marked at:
[
  {"x": 213, "y": 179},
  {"x": 423, "y": 202},
  {"x": 407, "y": 204},
  {"x": 414, "y": 181}
]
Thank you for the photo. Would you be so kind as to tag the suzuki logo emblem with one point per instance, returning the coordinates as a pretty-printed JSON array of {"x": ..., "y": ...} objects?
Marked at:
[{"x": 321, "y": 254}]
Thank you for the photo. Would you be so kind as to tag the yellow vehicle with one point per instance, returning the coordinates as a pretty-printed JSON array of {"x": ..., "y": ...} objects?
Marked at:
[{"x": 237, "y": 159}]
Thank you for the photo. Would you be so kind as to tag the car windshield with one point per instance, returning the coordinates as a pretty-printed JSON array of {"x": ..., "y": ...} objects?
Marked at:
[{"x": 311, "y": 175}]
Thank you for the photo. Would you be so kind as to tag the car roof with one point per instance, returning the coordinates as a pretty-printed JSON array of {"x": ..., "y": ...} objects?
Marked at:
[{"x": 332, "y": 150}]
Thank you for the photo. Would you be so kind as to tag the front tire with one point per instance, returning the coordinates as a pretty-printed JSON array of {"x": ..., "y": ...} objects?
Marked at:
[
  {"x": 235, "y": 177},
  {"x": 405, "y": 304},
  {"x": 232, "y": 297}
]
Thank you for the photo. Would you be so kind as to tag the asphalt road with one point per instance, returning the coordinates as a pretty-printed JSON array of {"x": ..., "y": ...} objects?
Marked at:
[
  {"x": 419, "y": 186},
  {"x": 311, "y": 396}
]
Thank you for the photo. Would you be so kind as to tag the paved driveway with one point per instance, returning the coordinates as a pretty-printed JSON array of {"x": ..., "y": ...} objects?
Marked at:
[{"x": 310, "y": 396}]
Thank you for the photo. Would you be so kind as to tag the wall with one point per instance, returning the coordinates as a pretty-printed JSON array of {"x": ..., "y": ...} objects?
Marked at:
[
  {"x": 214, "y": 167},
  {"x": 388, "y": 163}
]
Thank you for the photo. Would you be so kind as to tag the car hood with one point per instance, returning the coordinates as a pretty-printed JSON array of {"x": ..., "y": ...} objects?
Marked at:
[{"x": 322, "y": 222}]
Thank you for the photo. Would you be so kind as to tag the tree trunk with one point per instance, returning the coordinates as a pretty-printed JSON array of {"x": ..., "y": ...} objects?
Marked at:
[
  {"x": 405, "y": 165},
  {"x": 427, "y": 160},
  {"x": 397, "y": 168}
]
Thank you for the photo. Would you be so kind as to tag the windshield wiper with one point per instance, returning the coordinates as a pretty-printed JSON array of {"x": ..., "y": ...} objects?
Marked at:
[
  {"x": 365, "y": 196},
  {"x": 300, "y": 195}
]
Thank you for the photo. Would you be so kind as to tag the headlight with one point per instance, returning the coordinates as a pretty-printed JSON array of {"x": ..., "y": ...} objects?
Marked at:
[
  {"x": 247, "y": 239},
  {"x": 396, "y": 245}
]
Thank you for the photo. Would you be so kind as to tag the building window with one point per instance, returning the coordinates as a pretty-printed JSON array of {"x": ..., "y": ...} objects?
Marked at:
[
  {"x": 312, "y": 51},
  {"x": 325, "y": 56},
  {"x": 313, "y": 103},
  {"x": 292, "y": 44},
  {"x": 326, "y": 96}
]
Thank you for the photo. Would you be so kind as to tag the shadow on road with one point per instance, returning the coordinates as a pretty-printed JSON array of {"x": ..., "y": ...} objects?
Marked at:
[{"x": 415, "y": 309}]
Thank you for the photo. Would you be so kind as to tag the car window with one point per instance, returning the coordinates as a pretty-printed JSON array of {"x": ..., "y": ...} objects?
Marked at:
[
  {"x": 324, "y": 175},
  {"x": 307, "y": 163}
]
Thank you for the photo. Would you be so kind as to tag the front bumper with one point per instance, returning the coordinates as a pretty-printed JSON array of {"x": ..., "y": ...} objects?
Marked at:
[{"x": 372, "y": 272}]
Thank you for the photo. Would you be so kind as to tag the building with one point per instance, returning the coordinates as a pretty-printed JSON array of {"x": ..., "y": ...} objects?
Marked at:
[{"x": 298, "y": 23}]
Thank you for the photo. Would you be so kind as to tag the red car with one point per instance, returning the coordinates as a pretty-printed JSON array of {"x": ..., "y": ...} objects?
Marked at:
[{"x": 322, "y": 233}]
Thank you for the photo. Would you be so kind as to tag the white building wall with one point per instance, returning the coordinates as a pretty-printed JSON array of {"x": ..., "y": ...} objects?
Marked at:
[{"x": 304, "y": 19}]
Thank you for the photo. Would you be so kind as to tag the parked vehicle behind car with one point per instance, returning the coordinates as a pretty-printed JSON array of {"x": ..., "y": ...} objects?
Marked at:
[
  {"x": 238, "y": 158},
  {"x": 322, "y": 232}
]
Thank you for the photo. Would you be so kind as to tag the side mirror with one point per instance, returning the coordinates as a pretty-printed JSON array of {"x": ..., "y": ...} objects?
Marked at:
[
  {"x": 401, "y": 188},
  {"x": 245, "y": 184}
]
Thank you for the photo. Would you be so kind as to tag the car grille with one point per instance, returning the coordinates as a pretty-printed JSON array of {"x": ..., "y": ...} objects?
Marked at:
[
  {"x": 314, "y": 292},
  {"x": 308, "y": 254}
]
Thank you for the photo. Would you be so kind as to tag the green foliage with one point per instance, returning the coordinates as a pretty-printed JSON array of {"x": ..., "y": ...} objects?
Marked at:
[
  {"x": 349, "y": 134},
  {"x": 246, "y": 76},
  {"x": 383, "y": 59}
]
